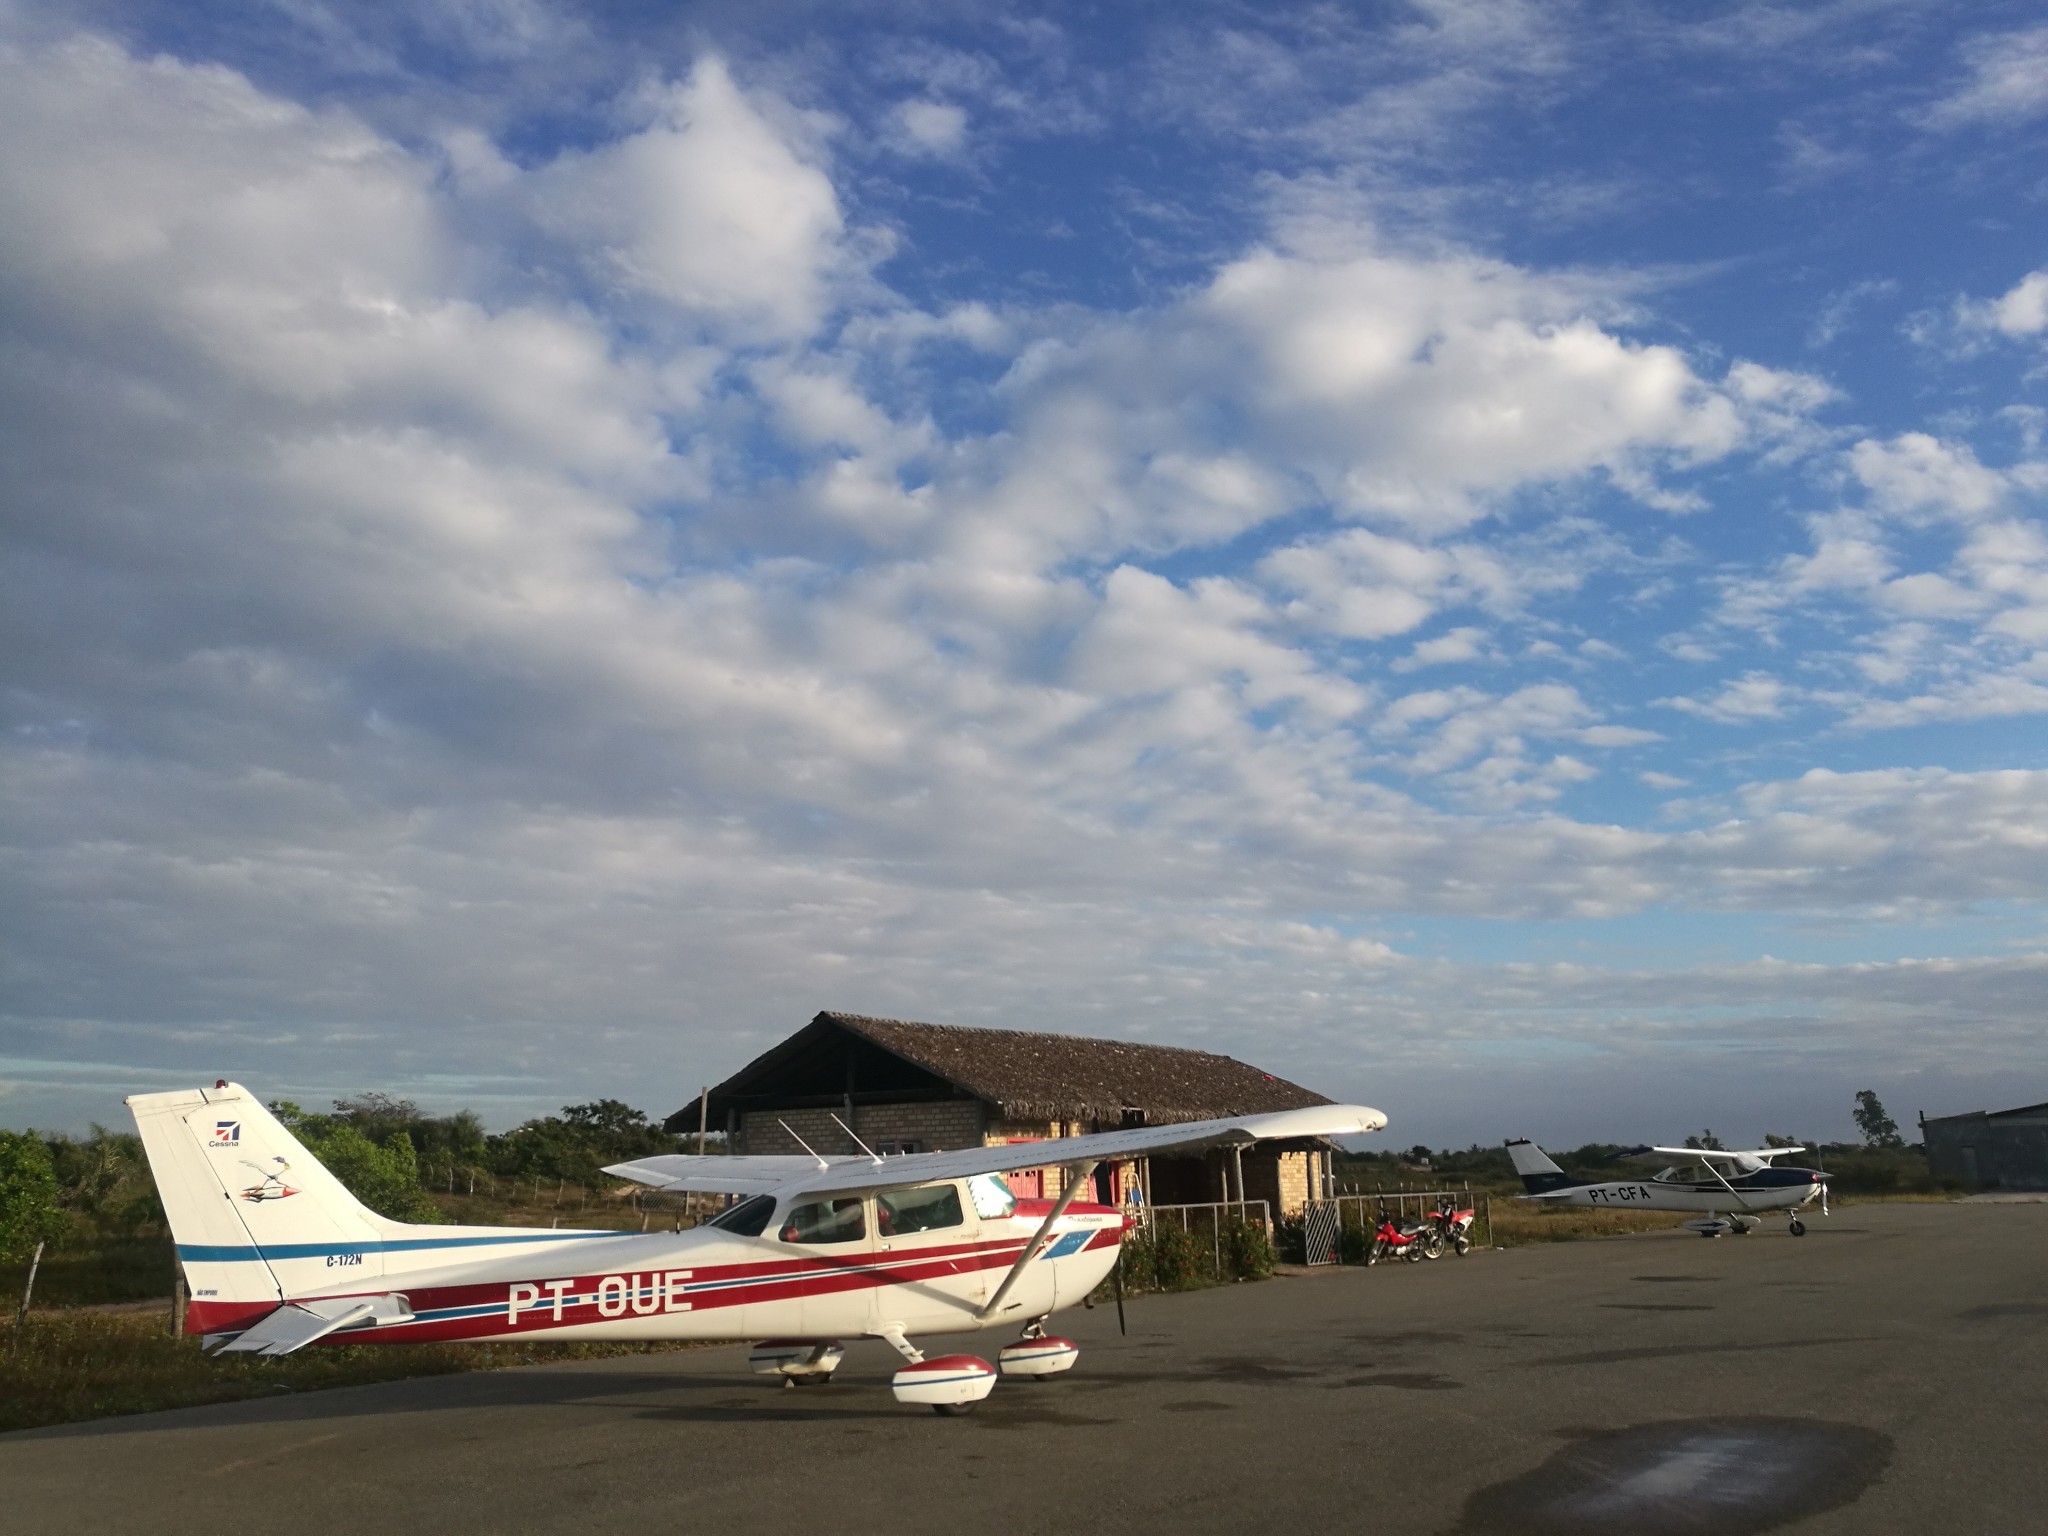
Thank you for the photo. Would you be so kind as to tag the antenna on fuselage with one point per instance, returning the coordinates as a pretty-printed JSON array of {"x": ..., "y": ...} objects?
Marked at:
[
  {"x": 873, "y": 1157},
  {"x": 804, "y": 1144}
]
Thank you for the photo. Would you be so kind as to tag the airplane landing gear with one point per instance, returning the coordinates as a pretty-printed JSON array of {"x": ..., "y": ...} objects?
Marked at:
[
  {"x": 799, "y": 1362},
  {"x": 1038, "y": 1354},
  {"x": 1798, "y": 1227}
]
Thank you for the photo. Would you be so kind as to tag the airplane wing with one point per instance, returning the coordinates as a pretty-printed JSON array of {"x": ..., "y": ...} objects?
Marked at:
[
  {"x": 724, "y": 1175},
  {"x": 1702, "y": 1154},
  {"x": 850, "y": 1175}
]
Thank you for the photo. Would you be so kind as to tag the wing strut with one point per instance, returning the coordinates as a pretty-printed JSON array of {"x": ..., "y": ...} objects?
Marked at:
[
  {"x": 1716, "y": 1172},
  {"x": 1078, "y": 1175}
]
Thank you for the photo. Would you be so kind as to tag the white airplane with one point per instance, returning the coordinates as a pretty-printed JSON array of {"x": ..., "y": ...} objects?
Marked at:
[
  {"x": 278, "y": 1254},
  {"x": 1691, "y": 1179}
]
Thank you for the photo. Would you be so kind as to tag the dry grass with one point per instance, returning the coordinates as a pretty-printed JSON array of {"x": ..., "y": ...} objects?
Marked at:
[
  {"x": 91, "y": 1364},
  {"x": 1517, "y": 1223}
]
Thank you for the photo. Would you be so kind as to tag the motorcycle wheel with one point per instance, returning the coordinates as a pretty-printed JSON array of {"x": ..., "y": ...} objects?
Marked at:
[
  {"x": 1432, "y": 1245},
  {"x": 1464, "y": 1246}
]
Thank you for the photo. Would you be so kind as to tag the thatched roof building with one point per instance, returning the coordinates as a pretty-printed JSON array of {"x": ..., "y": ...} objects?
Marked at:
[{"x": 844, "y": 1060}]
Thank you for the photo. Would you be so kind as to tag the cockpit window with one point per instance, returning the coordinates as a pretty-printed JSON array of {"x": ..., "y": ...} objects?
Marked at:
[
  {"x": 826, "y": 1221},
  {"x": 902, "y": 1211},
  {"x": 1688, "y": 1173},
  {"x": 747, "y": 1219},
  {"x": 991, "y": 1195}
]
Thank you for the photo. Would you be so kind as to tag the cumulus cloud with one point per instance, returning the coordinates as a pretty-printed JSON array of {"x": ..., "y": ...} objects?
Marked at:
[
  {"x": 2021, "y": 311},
  {"x": 472, "y": 605},
  {"x": 715, "y": 206}
]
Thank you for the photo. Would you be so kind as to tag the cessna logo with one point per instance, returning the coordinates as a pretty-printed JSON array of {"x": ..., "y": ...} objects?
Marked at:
[{"x": 226, "y": 1133}]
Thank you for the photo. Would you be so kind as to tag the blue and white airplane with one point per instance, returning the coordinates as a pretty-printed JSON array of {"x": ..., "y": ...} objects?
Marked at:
[{"x": 1729, "y": 1188}]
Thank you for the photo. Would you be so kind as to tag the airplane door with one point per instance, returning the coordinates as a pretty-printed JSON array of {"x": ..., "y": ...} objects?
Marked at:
[{"x": 927, "y": 1241}]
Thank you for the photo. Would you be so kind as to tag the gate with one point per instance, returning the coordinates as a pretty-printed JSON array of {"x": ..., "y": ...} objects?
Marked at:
[{"x": 1320, "y": 1224}]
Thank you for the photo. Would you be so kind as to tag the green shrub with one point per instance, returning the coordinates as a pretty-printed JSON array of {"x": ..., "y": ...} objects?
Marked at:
[
  {"x": 28, "y": 1193},
  {"x": 1247, "y": 1251},
  {"x": 1290, "y": 1243},
  {"x": 1176, "y": 1262},
  {"x": 385, "y": 1178},
  {"x": 1354, "y": 1242}
]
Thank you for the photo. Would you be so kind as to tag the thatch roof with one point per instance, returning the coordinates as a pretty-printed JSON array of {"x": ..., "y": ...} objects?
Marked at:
[{"x": 1025, "y": 1075}]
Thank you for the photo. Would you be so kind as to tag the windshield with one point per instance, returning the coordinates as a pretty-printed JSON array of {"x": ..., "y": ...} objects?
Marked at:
[
  {"x": 747, "y": 1219},
  {"x": 991, "y": 1195}
]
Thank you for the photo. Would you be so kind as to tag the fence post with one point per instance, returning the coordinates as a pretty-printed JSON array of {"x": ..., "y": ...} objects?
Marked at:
[{"x": 1489, "y": 1223}]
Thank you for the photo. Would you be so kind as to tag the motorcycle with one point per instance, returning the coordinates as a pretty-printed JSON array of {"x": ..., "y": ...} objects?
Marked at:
[
  {"x": 1453, "y": 1226},
  {"x": 1412, "y": 1240}
]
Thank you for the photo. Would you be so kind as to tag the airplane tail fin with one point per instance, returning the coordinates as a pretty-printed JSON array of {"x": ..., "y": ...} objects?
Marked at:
[
  {"x": 242, "y": 1195},
  {"x": 1539, "y": 1174}
]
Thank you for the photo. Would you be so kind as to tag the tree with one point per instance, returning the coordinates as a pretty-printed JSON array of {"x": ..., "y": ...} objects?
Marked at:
[
  {"x": 1706, "y": 1141},
  {"x": 1878, "y": 1128},
  {"x": 28, "y": 1194},
  {"x": 385, "y": 1178}
]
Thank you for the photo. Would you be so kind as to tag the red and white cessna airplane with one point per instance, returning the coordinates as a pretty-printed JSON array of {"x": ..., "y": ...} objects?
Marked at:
[{"x": 278, "y": 1254}]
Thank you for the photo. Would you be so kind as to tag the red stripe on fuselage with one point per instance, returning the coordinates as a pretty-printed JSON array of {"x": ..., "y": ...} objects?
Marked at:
[{"x": 709, "y": 1288}]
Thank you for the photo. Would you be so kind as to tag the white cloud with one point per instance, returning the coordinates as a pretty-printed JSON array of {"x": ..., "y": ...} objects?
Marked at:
[
  {"x": 2021, "y": 311},
  {"x": 1465, "y": 643},
  {"x": 463, "y": 606},
  {"x": 2007, "y": 83},
  {"x": 1915, "y": 474},
  {"x": 934, "y": 129},
  {"x": 715, "y": 206},
  {"x": 1753, "y": 696}
]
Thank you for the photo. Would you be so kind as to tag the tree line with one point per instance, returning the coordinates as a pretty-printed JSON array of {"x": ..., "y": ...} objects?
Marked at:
[{"x": 386, "y": 1150}]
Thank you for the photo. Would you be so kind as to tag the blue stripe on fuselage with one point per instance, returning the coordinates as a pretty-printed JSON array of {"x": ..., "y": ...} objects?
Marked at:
[{"x": 231, "y": 1253}]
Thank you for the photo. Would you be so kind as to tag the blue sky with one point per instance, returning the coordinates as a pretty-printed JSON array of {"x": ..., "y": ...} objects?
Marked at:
[{"x": 1487, "y": 557}]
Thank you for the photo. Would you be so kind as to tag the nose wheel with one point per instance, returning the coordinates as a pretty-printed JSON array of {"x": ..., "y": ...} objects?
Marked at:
[{"x": 1798, "y": 1227}]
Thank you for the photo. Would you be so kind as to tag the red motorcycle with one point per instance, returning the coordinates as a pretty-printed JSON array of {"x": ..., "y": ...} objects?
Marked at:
[
  {"x": 1453, "y": 1226},
  {"x": 1411, "y": 1240}
]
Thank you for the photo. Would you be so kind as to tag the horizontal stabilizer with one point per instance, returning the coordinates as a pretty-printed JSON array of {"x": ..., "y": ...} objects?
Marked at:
[{"x": 299, "y": 1323}]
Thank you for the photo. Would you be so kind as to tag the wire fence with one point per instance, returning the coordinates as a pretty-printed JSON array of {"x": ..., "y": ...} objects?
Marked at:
[
  {"x": 1325, "y": 1222},
  {"x": 1210, "y": 1223}
]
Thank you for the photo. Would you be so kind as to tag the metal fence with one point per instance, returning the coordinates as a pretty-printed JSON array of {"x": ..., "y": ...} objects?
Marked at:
[
  {"x": 1214, "y": 1216},
  {"x": 1323, "y": 1221}
]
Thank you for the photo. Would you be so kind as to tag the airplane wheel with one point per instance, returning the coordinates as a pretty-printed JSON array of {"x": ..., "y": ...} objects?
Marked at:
[
  {"x": 951, "y": 1410},
  {"x": 1798, "y": 1227}
]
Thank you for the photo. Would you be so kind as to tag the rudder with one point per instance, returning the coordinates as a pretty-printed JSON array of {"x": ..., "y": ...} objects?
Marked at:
[
  {"x": 240, "y": 1191},
  {"x": 1539, "y": 1174}
]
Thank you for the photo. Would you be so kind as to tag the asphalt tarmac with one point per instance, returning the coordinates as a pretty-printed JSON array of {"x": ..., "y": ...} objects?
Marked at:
[{"x": 1886, "y": 1373}]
